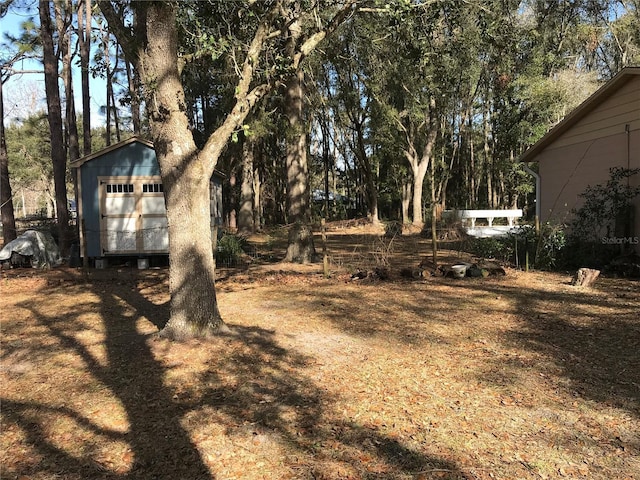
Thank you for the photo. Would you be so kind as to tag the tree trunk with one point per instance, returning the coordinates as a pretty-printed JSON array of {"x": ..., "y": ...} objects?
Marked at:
[
  {"x": 406, "y": 201},
  {"x": 73, "y": 143},
  {"x": 420, "y": 163},
  {"x": 132, "y": 81},
  {"x": 257, "y": 200},
  {"x": 54, "y": 109},
  {"x": 585, "y": 277},
  {"x": 232, "y": 215},
  {"x": 109, "y": 87},
  {"x": 6, "y": 198},
  {"x": 194, "y": 308},
  {"x": 419, "y": 172},
  {"x": 369, "y": 175},
  {"x": 434, "y": 216},
  {"x": 245, "y": 213},
  {"x": 84, "y": 40},
  {"x": 300, "y": 247}
]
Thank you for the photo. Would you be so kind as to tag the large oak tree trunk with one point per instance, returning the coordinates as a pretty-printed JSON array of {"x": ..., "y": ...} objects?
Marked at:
[{"x": 194, "y": 308}]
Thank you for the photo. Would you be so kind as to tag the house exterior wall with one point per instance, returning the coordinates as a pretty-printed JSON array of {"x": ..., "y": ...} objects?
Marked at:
[{"x": 606, "y": 137}]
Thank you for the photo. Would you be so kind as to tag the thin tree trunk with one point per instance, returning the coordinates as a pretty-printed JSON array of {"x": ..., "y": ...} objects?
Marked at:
[
  {"x": 232, "y": 208},
  {"x": 109, "y": 87},
  {"x": 406, "y": 201},
  {"x": 6, "y": 198},
  {"x": 62, "y": 22},
  {"x": 245, "y": 213},
  {"x": 132, "y": 81},
  {"x": 54, "y": 109},
  {"x": 84, "y": 40},
  {"x": 257, "y": 200},
  {"x": 369, "y": 175}
]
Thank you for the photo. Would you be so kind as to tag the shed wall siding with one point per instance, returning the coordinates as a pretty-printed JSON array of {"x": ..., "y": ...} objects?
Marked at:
[{"x": 131, "y": 160}]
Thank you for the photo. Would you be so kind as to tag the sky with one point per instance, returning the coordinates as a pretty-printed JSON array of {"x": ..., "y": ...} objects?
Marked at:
[{"x": 24, "y": 94}]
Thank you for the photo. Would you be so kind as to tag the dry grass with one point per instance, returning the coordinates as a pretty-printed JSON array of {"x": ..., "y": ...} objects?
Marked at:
[{"x": 515, "y": 377}]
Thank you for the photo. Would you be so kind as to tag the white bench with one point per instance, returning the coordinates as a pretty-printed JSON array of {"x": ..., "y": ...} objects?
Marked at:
[{"x": 490, "y": 215}]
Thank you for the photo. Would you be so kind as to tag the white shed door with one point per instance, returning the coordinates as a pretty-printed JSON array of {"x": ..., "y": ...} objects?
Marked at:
[
  {"x": 133, "y": 215},
  {"x": 119, "y": 217}
]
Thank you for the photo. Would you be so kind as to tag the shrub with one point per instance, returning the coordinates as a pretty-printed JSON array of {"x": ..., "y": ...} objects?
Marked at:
[
  {"x": 230, "y": 248},
  {"x": 606, "y": 213},
  {"x": 393, "y": 229},
  {"x": 542, "y": 252}
]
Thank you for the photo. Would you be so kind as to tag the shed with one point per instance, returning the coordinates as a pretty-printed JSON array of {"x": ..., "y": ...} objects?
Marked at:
[
  {"x": 601, "y": 133},
  {"x": 120, "y": 201}
]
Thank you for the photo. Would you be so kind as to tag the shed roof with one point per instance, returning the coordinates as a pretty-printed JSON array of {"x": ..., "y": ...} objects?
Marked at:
[
  {"x": 135, "y": 139},
  {"x": 82, "y": 160},
  {"x": 604, "y": 92}
]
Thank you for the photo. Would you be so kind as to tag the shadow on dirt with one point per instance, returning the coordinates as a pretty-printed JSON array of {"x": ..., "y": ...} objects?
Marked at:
[
  {"x": 252, "y": 386},
  {"x": 593, "y": 339}
]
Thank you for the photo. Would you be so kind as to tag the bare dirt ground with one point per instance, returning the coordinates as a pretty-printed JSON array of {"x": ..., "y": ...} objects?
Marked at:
[{"x": 514, "y": 377}]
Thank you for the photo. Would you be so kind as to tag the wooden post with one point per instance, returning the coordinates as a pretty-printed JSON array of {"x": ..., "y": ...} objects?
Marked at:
[{"x": 325, "y": 256}]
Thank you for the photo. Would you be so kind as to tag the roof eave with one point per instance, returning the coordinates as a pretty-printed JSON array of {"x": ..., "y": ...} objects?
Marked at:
[
  {"x": 82, "y": 160},
  {"x": 604, "y": 92}
]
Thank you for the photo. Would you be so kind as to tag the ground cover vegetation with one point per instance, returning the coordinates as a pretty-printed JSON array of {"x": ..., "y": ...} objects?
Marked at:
[{"x": 515, "y": 376}]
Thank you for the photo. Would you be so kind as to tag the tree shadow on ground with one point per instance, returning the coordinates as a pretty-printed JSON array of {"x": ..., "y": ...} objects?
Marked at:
[
  {"x": 251, "y": 384},
  {"x": 592, "y": 336},
  {"x": 593, "y": 339}
]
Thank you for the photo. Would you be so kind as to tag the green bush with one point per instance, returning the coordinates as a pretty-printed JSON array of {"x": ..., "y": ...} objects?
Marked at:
[
  {"x": 493, "y": 247},
  {"x": 230, "y": 248},
  {"x": 606, "y": 213},
  {"x": 525, "y": 246}
]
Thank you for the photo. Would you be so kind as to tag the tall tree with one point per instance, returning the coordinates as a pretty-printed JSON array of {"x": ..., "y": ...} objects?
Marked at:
[
  {"x": 64, "y": 16},
  {"x": 84, "y": 15},
  {"x": 54, "y": 114},
  {"x": 152, "y": 45},
  {"x": 6, "y": 197}
]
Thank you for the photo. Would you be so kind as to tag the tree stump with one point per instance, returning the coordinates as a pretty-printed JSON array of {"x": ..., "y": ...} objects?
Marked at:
[{"x": 585, "y": 277}]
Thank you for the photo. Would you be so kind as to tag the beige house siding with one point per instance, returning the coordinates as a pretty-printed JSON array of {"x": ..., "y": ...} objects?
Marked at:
[
  {"x": 603, "y": 133},
  {"x": 566, "y": 172},
  {"x": 622, "y": 108}
]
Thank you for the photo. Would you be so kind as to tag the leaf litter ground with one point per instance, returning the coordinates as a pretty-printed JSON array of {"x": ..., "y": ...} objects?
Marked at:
[{"x": 521, "y": 376}]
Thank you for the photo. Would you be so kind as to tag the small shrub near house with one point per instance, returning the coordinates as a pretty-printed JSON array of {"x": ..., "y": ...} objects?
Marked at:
[
  {"x": 601, "y": 229},
  {"x": 543, "y": 252}
]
